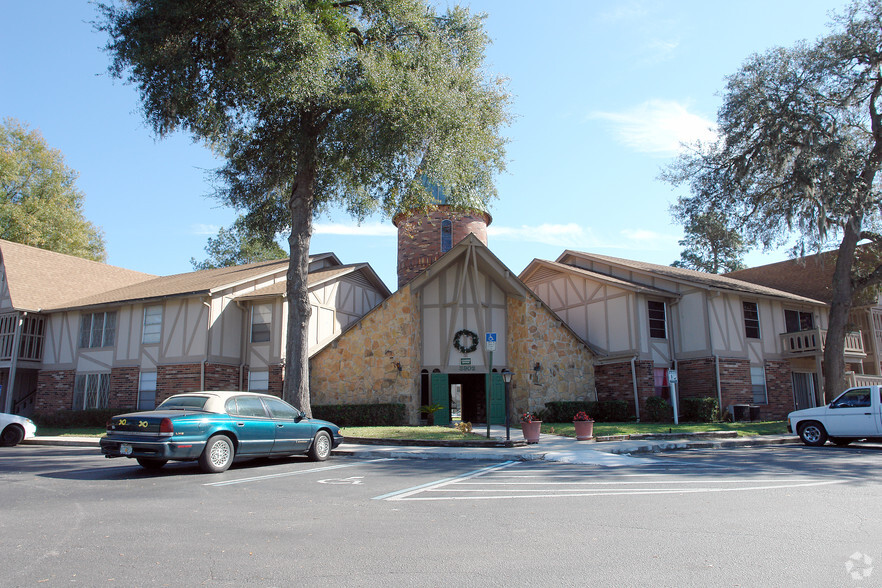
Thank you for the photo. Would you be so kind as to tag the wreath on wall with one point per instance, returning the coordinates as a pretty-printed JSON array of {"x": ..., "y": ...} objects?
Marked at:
[{"x": 457, "y": 341}]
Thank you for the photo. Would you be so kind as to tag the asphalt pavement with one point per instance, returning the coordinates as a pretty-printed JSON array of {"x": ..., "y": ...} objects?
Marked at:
[{"x": 553, "y": 448}]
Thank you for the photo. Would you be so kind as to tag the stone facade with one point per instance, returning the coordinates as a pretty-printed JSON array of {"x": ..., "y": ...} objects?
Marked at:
[
  {"x": 537, "y": 337},
  {"x": 419, "y": 237},
  {"x": 362, "y": 365}
]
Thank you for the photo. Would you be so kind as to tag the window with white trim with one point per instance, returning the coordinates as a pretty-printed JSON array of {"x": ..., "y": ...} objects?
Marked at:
[
  {"x": 258, "y": 381},
  {"x": 91, "y": 391},
  {"x": 97, "y": 329},
  {"x": 446, "y": 235},
  {"x": 152, "y": 324},
  {"x": 758, "y": 385},
  {"x": 261, "y": 318},
  {"x": 147, "y": 391},
  {"x": 751, "y": 320}
]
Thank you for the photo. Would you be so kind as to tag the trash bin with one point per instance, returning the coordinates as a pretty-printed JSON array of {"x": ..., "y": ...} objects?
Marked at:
[
  {"x": 754, "y": 412},
  {"x": 740, "y": 412}
]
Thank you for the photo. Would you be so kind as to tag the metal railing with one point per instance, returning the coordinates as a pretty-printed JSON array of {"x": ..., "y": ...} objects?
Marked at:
[
  {"x": 30, "y": 346},
  {"x": 812, "y": 342}
]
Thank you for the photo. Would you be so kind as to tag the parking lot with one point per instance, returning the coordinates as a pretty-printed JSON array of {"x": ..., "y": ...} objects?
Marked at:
[{"x": 759, "y": 516}]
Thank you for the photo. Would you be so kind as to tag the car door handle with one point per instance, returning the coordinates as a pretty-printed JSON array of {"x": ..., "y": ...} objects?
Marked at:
[
  {"x": 280, "y": 425},
  {"x": 240, "y": 424}
]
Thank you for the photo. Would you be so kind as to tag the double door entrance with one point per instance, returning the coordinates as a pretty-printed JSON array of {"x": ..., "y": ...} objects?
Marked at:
[{"x": 471, "y": 400}]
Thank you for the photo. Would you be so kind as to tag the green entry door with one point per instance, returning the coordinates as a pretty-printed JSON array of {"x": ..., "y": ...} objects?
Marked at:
[
  {"x": 497, "y": 399},
  {"x": 441, "y": 395}
]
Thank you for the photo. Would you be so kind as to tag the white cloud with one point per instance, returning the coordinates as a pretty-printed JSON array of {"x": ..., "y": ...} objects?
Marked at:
[
  {"x": 200, "y": 229},
  {"x": 365, "y": 230},
  {"x": 658, "y": 127}
]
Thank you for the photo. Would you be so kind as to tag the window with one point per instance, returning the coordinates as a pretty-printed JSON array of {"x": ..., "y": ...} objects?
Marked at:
[
  {"x": 857, "y": 398},
  {"x": 261, "y": 317},
  {"x": 798, "y": 320},
  {"x": 152, "y": 324},
  {"x": 751, "y": 320},
  {"x": 657, "y": 329},
  {"x": 97, "y": 329},
  {"x": 258, "y": 381},
  {"x": 147, "y": 391},
  {"x": 91, "y": 391},
  {"x": 758, "y": 385},
  {"x": 446, "y": 235},
  {"x": 281, "y": 410},
  {"x": 246, "y": 406},
  {"x": 660, "y": 380}
]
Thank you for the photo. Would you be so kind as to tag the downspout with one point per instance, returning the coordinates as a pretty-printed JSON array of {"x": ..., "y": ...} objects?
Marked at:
[
  {"x": 675, "y": 389},
  {"x": 243, "y": 345},
  {"x": 16, "y": 342},
  {"x": 710, "y": 338},
  {"x": 207, "y": 342},
  {"x": 634, "y": 383}
]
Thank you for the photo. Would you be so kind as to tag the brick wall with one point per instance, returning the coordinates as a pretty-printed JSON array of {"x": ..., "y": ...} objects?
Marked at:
[
  {"x": 779, "y": 387},
  {"x": 219, "y": 376},
  {"x": 735, "y": 385},
  {"x": 276, "y": 380},
  {"x": 419, "y": 237},
  {"x": 124, "y": 383},
  {"x": 697, "y": 378},
  {"x": 177, "y": 378},
  {"x": 615, "y": 382},
  {"x": 55, "y": 390}
]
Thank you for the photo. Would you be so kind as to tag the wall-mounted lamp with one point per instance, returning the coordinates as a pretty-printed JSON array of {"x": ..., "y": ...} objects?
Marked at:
[
  {"x": 537, "y": 367},
  {"x": 397, "y": 365}
]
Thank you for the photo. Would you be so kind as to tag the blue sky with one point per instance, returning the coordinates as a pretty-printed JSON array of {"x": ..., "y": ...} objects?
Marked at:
[{"x": 604, "y": 92}]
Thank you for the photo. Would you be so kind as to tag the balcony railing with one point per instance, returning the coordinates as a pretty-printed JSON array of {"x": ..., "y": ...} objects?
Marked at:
[
  {"x": 854, "y": 380},
  {"x": 30, "y": 346},
  {"x": 812, "y": 343}
]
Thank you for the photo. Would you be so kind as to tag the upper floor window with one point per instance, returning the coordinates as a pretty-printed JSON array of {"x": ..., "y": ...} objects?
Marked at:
[
  {"x": 657, "y": 326},
  {"x": 261, "y": 317},
  {"x": 446, "y": 235},
  {"x": 97, "y": 329},
  {"x": 798, "y": 320},
  {"x": 751, "y": 320},
  {"x": 152, "y": 324}
]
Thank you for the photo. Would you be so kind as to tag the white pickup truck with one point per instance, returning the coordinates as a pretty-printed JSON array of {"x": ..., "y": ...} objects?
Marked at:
[{"x": 855, "y": 414}]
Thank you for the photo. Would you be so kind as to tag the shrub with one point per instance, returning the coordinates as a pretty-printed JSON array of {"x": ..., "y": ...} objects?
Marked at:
[
  {"x": 71, "y": 419},
  {"x": 602, "y": 411},
  {"x": 362, "y": 415},
  {"x": 700, "y": 410},
  {"x": 658, "y": 410}
]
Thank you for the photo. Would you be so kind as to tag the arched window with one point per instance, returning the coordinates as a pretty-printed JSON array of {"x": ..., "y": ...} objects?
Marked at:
[{"x": 446, "y": 235}]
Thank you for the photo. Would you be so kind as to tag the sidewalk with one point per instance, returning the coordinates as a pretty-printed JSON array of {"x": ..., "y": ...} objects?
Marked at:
[{"x": 550, "y": 448}]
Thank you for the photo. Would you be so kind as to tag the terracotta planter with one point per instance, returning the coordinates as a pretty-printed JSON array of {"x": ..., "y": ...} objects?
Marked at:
[
  {"x": 584, "y": 430},
  {"x": 531, "y": 431}
]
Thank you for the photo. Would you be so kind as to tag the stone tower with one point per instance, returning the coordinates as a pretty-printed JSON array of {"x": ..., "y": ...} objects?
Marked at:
[{"x": 424, "y": 237}]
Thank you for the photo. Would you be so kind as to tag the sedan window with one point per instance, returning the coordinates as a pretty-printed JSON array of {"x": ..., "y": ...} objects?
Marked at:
[
  {"x": 183, "y": 403},
  {"x": 249, "y": 406},
  {"x": 280, "y": 409}
]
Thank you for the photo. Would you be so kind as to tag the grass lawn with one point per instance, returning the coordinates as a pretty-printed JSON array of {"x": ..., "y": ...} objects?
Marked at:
[
  {"x": 450, "y": 434},
  {"x": 604, "y": 429}
]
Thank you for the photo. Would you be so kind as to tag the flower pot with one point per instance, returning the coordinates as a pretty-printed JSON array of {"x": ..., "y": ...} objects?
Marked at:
[
  {"x": 584, "y": 430},
  {"x": 531, "y": 431}
]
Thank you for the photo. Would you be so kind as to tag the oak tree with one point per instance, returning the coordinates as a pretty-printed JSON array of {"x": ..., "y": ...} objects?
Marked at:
[{"x": 318, "y": 103}]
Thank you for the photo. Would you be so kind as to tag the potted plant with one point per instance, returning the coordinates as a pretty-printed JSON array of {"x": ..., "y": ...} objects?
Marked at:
[
  {"x": 430, "y": 410},
  {"x": 530, "y": 426},
  {"x": 584, "y": 426}
]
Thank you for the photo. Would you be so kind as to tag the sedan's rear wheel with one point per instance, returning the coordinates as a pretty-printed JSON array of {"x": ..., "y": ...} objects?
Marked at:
[
  {"x": 321, "y": 447},
  {"x": 12, "y": 435},
  {"x": 217, "y": 455},
  {"x": 813, "y": 433},
  {"x": 151, "y": 463}
]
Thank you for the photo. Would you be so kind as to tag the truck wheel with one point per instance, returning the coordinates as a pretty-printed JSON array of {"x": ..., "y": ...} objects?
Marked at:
[{"x": 813, "y": 434}]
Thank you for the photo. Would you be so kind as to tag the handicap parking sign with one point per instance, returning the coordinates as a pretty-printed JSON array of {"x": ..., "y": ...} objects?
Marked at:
[{"x": 490, "y": 341}]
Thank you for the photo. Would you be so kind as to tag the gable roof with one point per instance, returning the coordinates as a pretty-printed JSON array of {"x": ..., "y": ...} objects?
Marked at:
[
  {"x": 38, "y": 279},
  {"x": 686, "y": 276},
  {"x": 320, "y": 276},
  {"x": 810, "y": 276},
  {"x": 537, "y": 265}
]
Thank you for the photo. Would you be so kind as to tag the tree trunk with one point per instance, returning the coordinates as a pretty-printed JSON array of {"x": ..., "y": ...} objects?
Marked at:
[
  {"x": 300, "y": 205},
  {"x": 840, "y": 306}
]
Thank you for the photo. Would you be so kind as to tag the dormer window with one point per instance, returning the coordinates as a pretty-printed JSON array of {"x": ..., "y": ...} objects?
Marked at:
[{"x": 446, "y": 235}]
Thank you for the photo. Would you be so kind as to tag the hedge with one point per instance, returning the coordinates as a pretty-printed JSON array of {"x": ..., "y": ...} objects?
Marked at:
[
  {"x": 658, "y": 410},
  {"x": 362, "y": 415},
  {"x": 65, "y": 419},
  {"x": 700, "y": 410},
  {"x": 604, "y": 411}
]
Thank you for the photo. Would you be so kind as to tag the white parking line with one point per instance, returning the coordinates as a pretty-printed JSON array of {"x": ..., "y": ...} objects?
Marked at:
[
  {"x": 403, "y": 494},
  {"x": 286, "y": 474}
]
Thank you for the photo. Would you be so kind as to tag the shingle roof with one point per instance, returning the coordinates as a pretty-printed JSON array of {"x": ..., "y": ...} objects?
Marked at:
[
  {"x": 200, "y": 282},
  {"x": 316, "y": 277},
  {"x": 40, "y": 279},
  {"x": 810, "y": 276},
  {"x": 695, "y": 277}
]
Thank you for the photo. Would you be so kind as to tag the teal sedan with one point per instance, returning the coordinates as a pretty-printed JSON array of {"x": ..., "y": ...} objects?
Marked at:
[{"x": 214, "y": 428}]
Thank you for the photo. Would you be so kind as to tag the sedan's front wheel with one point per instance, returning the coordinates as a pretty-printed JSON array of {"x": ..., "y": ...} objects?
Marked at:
[
  {"x": 813, "y": 434},
  {"x": 217, "y": 455},
  {"x": 11, "y": 436},
  {"x": 321, "y": 447}
]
